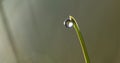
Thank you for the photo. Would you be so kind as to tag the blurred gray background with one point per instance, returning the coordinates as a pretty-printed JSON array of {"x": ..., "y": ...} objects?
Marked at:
[{"x": 32, "y": 31}]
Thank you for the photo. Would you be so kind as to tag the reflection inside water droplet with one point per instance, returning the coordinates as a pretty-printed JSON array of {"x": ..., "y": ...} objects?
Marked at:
[{"x": 68, "y": 23}]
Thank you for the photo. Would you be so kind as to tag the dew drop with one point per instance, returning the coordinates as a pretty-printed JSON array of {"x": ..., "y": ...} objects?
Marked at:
[{"x": 68, "y": 23}]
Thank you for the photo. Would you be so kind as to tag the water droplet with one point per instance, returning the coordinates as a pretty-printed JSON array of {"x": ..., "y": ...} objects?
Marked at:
[{"x": 68, "y": 23}]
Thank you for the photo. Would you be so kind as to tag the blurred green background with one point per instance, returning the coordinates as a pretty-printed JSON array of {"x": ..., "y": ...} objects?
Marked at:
[{"x": 32, "y": 31}]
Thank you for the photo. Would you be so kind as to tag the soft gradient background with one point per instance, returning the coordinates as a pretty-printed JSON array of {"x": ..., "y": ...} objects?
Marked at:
[{"x": 32, "y": 31}]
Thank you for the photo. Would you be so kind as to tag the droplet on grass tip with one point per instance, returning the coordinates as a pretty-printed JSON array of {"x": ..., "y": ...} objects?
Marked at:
[{"x": 68, "y": 23}]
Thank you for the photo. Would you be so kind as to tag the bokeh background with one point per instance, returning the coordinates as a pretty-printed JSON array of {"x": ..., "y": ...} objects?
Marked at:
[{"x": 32, "y": 31}]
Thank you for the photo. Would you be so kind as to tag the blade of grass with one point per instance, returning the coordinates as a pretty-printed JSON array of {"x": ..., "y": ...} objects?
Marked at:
[{"x": 80, "y": 37}]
